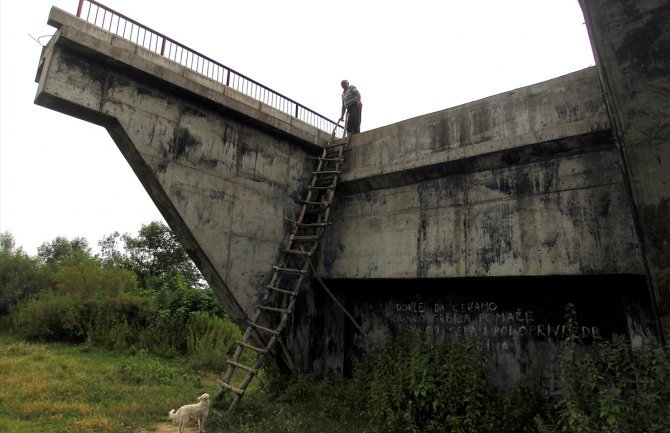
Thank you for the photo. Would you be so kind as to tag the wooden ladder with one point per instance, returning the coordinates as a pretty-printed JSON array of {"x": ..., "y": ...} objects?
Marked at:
[{"x": 289, "y": 274}]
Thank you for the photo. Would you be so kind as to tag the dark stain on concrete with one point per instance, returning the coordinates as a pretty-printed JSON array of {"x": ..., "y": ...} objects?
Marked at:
[
  {"x": 208, "y": 162},
  {"x": 481, "y": 120},
  {"x": 464, "y": 136},
  {"x": 524, "y": 184},
  {"x": 192, "y": 111},
  {"x": 604, "y": 204},
  {"x": 656, "y": 220},
  {"x": 441, "y": 133},
  {"x": 496, "y": 239},
  {"x": 422, "y": 231},
  {"x": 142, "y": 90},
  {"x": 182, "y": 141},
  {"x": 91, "y": 70},
  {"x": 646, "y": 48}
]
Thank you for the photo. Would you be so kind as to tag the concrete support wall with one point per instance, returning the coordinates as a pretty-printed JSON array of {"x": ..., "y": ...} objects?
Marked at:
[
  {"x": 523, "y": 183},
  {"x": 223, "y": 170},
  {"x": 631, "y": 42},
  {"x": 480, "y": 220}
]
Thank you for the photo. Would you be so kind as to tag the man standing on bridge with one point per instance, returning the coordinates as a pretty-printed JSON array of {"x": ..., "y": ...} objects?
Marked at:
[{"x": 352, "y": 105}]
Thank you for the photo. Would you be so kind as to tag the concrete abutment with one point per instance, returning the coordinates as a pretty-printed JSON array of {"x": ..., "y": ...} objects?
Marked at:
[{"x": 481, "y": 220}]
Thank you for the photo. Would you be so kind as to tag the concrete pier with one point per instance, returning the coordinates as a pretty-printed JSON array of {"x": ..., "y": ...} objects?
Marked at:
[{"x": 482, "y": 220}]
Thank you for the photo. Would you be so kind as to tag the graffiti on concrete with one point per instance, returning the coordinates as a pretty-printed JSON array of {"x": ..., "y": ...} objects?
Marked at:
[{"x": 498, "y": 328}]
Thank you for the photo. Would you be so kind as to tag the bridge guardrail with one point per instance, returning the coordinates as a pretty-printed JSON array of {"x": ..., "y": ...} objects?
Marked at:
[{"x": 127, "y": 28}]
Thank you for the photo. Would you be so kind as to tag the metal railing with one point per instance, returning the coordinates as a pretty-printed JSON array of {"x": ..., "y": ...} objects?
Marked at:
[{"x": 127, "y": 28}]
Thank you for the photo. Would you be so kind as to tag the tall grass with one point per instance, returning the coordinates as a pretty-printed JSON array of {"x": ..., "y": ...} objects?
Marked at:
[{"x": 64, "y": 388}]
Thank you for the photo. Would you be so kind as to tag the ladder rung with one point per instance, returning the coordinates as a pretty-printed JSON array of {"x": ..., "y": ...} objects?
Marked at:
[
  {"x": 315, "y": 203},
  {"x": 263, "y": 328},
  {"x": 336, "y": 144},
  {"x": 232, "y": 388},
  {"x": 298, "y": 252},
  {"x": 242, "y": 366},
  {"x": 327, "y": 172},
  {"x": 250, "y": 347},
  {"x": 278, "y": 310},
  {"x": 313, "y": 224},
  {"x": 310, "y": 238},
  {"x": 289, "y": 270},
  {"x": 284, "y": 291},
  {"x": 322, "y": 187},
  {"x": 326, "y": 158}
]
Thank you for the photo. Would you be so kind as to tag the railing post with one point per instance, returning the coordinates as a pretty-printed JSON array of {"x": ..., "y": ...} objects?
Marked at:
[{"x": 203, "y": 64}]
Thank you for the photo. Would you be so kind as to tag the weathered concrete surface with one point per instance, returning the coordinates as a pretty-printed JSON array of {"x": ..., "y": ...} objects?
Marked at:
[
  {"x": 631, "y": 42},
  {"x": 523, "y": 183},
  {"x": 450, "y": 210},
  {"x": 517, "y": 201},
  {"x": 222, "y": 169},
  {"x": 518, "y": 321}
]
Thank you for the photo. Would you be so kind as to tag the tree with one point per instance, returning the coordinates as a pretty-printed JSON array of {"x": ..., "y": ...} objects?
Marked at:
[
  {"x": 20, "y": 274},
  {"x": 61, "y": 251},
  {"x": 111, "y": 251},
  {"x": 157, "y": 256}
]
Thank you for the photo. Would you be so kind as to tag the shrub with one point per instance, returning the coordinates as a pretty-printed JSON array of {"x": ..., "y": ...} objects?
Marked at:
[
  {"x": 410, "y": 386},
  {"x": 210, "y": 340},
  {"x": 165, "y": 333},
  {"x": 52, "y": 317},
  {"x": 610, "y": 387}
]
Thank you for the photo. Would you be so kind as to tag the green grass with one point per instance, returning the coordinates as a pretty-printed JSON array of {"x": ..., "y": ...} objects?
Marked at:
[
  {"x": 55, "y": 387},
  {"x": 303, "y": 404},
  {"x": 64, "y": 388}
]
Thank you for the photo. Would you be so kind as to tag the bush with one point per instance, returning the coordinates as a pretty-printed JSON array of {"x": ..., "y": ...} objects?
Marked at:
[
  {"x": 411, "y": 386},
  {"x": 20, "y": 275},
  {"x": 111, "y": 330},
  {"x": 165, "y": 333},
  {"x": 52, "y": 317},
  {"x": 210, "y": 340},
  {"x": 610, "y": 387}
]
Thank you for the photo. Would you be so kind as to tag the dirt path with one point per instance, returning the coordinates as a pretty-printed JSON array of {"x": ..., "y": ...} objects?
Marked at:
[{"x": 166, "y": 427}]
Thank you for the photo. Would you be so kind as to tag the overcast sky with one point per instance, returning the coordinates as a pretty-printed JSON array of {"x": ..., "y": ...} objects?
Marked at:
[{"x": 60, "y": 176}]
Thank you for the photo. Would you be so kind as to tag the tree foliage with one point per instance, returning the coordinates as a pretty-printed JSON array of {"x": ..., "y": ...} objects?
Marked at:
[
  {"x": 157, "y": 256},
  {"x": 20, "y": 275},
  {"x": 62, "y": 251},
  {"x": 139, "y": 292}
]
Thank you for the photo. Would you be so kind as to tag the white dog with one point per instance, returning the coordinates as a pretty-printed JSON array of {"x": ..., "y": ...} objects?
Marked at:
[{"x": 198, "y": 411}]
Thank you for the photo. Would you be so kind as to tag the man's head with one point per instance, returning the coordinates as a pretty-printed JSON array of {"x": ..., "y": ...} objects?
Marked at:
[{"x": 344, "y": 84}]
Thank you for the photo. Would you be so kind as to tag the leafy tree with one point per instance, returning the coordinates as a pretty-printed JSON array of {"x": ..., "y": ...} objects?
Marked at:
[
  {"x": 111, "y": 253},
  {"x": 62, "y": 251},
  {"x": 20, "y": 274},
  {"x": 89, "y": 279},
  {"x": 157, "y": 257},
  {"x": 164, "y": 271}
]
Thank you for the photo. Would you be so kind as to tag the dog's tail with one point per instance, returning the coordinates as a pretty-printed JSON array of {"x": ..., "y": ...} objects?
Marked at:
[{"x": 173, "y": 415}]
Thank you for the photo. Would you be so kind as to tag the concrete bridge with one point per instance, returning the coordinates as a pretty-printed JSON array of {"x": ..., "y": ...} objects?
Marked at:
[{"x": 481, "y": 220}]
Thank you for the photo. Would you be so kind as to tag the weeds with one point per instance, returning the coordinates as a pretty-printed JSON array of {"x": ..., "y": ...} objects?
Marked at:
[
  {"x": 61, "y": 388},
  {"x": 408, "y": 385}
]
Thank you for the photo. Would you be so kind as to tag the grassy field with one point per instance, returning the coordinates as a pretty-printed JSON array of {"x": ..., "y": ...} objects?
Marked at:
[
  {"x": 57, "y": 387},
  {"x": 64, "y": 388}
]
